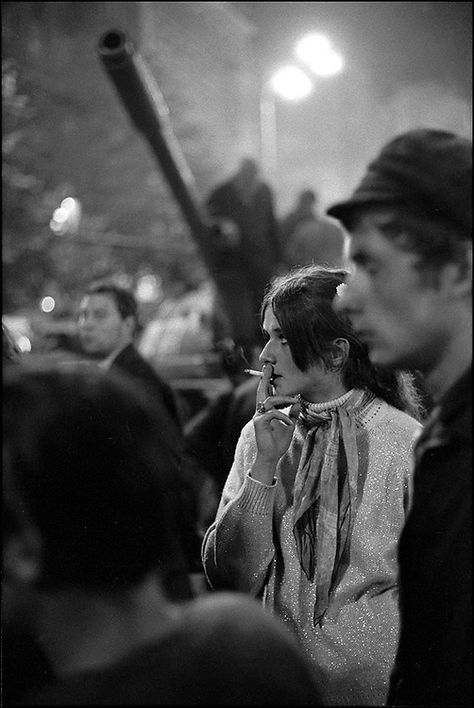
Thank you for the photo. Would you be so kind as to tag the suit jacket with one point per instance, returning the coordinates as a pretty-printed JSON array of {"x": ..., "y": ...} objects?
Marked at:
[{"x": 130, "y": 362}]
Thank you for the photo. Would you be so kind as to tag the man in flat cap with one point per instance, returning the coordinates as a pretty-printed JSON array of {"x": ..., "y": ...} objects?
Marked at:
[{"x": 409, "y": 296}]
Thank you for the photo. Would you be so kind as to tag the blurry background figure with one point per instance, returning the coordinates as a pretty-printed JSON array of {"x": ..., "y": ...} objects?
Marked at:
[
  {"x": 306, "y": 236},
  {"x": 90, "y": 487},
  {"x": 212, "y": 434},
  {"x": 107, "y": 327},
  {"x": 301, "y": 212},
  {"x": 242, "y": 210}
]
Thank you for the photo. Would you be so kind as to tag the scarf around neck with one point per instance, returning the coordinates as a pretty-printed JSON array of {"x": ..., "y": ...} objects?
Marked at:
[{"x": 325, "y": 489}]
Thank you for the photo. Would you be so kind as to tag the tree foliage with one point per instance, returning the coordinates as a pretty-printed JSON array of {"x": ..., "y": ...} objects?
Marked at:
[{"x": 66, "y": 134}]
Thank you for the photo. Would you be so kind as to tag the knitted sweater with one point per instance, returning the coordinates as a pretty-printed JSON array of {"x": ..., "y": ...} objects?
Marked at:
[{"x": 250, "y": 547}]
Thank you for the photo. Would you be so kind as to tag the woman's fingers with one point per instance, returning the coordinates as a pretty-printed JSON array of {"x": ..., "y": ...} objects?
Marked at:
[
  {"x": 264, "y": 387},
  {"x": 274, "y": 402},
  {"x": 273, "y": 415}
]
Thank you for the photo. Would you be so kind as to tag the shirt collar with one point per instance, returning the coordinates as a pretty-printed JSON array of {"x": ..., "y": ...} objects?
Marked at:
[{"x": 109, "y": 360}]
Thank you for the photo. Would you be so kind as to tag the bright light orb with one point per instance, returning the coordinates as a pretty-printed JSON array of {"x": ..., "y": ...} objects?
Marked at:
[
  {"x": 330, "y": 65},
  {"x": 66, "y": 217},
  {"x": 60, "y": 215},
  {"x": 148, "y": 288},
  {"x": 291, "y": 83},
  {"x": 69, "y": 203},
  {"x": 48, "y": 304},
  {"x": 312, "y": 46},
  {"x": 316, "y": 52}
]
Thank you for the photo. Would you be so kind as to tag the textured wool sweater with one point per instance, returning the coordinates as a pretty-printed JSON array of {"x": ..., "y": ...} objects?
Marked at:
[{"x": 250, "y": 547}]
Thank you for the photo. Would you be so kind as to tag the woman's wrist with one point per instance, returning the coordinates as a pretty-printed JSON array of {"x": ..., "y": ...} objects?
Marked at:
[{"x": 263, "y": 470}]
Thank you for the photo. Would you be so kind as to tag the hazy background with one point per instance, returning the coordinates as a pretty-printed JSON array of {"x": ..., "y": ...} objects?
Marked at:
[
  {"x": 406, "y": 64},
  {"x": 66, "y": 134}
]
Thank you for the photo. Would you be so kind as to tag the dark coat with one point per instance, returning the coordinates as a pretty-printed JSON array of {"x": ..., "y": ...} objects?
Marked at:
[
  {"x": 434, "y": 660},
  {"x": 224, "y": 649},
  {"x": 250, "y": 264},
  {"x": 132, "y": 363}
]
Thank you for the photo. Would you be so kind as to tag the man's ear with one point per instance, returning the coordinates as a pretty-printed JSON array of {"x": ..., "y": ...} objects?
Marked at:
[
  {"x": 22, "y": 556},
  {"x": 457, "y": 277}
]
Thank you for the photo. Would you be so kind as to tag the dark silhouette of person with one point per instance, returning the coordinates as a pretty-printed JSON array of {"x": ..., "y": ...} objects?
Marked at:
[
  {"x": 90, "y": 481},
  {"x": 302, "y": 211},
  {"x": 410, "y": 297},
  {"x": 212, "y": 433},
  {"x": 108, "y": 325},
  {"x": 107, "y": 328},
  {"x": 242, "y": 210},
  {"x": 307, "y": 236}
]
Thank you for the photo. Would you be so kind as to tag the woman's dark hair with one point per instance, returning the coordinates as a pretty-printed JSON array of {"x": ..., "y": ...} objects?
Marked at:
[{"x": 302, "y": 302}]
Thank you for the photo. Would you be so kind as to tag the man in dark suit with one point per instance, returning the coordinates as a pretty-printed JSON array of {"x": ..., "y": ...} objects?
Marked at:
[{"x": 107, "y": 327}]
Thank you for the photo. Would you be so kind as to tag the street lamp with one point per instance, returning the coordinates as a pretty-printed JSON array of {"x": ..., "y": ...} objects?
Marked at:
[
  {"x": 317, "y": 53},
  {"x": 291, "y": 84},
  {"x": 66, "y": 218}
]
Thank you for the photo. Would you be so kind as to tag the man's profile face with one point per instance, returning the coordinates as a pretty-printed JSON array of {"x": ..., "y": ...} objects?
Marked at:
[
  {"x": 399, "y": 315},
  {"x": 101, "y": 328}
]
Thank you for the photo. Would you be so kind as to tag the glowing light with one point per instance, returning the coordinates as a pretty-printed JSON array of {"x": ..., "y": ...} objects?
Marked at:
[
  {"x": 148, "y": 288},
  {"x": 60, "y": 215},
  {"x": 312, "y": 46},
  {"x": 48, "y": 304},
  {"x": 24, "y": 344},
  {"x": 291, "y": 83},
  {"x": 66, "y": 217},
  {"x": 69, "y": 203},
  {"x": 329, "y": 65},
  {"x": 316, "y": 51}
]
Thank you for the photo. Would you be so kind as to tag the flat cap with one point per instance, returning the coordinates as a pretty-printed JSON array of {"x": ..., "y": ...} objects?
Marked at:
[{"x": 424, "y": 169}]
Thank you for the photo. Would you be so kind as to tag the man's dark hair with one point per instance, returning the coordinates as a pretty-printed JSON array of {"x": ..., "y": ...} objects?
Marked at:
[
  {"x": 95, "y": 472},
  {"x": 302, "y": 302},
  {"x": 435, "y": 241},
  {"x": 123, "y": 298}
]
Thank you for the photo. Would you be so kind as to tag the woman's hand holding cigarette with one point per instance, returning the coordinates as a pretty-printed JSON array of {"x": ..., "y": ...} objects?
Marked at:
[{"x": 273, "y": 428}]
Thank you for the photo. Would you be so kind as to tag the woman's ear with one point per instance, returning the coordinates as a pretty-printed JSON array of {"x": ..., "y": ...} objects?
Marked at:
[{"x": 339, "y": 352}]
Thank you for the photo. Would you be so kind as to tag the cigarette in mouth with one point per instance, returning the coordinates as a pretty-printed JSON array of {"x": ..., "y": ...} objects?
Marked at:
[{"x": 253, "y": 372}]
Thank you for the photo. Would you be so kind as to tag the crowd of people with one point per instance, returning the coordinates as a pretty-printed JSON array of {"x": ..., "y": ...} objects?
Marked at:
[{"x": 336, "y": 545}]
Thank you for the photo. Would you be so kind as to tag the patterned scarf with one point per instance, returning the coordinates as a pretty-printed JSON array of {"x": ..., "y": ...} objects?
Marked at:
[{"x": 325, "y": 489}]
